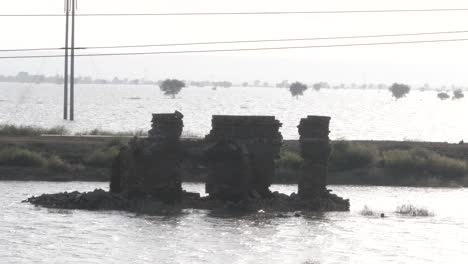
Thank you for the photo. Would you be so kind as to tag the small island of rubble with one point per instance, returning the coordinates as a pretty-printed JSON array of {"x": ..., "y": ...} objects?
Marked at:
[{"x": 239, "y": 152}]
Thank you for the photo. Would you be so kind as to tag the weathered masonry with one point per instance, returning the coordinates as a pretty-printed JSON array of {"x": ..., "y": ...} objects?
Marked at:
[
  {"x": 239, "y": 152},
  {"x": 241, "y": 156},
  {"x": 149, "y": 166},
  {"x": 315, "y": 150}
]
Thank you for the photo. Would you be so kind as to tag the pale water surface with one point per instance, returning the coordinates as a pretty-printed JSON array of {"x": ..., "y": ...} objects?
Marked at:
[
  {"x": 36, "y": 235},
  {"x": 356, "y": 114}
]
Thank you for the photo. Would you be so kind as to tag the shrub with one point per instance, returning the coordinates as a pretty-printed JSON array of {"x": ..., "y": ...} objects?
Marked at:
[
  {"x": 443, "y": 95},
  {"x": 116, "y": 142},
  {"x": 347, "y": 155},
  {"x": 102, "y": 157},
  {"x": 56, "y": 130},
  {"x": 101, "y": 132},
  {"x": 420, "y": 161},
  {"x": 458, "y": 94},
  {"x": 399, "y": 90},
  {"x": 289, "y": 160},
  {"x": 21, "y": 157},
  {"x": 13, "y": 130},
  {"x": 320, "y": 85},
  {"x": 55, "y": 163},
  {"x": 366, "y": 211},
  {"x": 411, "y": 210}
]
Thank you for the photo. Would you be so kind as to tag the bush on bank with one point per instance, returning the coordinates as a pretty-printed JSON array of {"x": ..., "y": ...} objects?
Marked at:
[
  {"x": 290, "y": 160},
  {"x": 101, "y": 132},
  {"x": 21, "y": 157},
  {"x": 15, "y": 156},
  {"x": 348, "y": 155},
  {"x": 102, "y": 157},
  {"x": 420, "y": 162},
  {"x": 13, "y": 130}
]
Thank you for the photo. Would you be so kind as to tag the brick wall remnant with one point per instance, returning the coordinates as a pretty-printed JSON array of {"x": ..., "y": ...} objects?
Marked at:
[
  {"x": 150, "y": 166},
  {"x": 241, "y": 155},
  {"x": 315, "y": 150}
]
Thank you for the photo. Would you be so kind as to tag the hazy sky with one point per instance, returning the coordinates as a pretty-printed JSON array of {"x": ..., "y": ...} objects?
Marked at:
[{"x": 416, "y": 63}]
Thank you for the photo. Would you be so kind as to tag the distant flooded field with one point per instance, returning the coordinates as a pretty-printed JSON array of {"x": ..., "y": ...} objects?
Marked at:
[
  {"x": 30, "y": 234},
  {"x": 356, "y": 114}
]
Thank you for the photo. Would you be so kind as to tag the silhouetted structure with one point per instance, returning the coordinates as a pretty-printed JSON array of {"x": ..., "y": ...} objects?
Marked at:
[
  {"x": 241, "y": 156},
  {"x": 315, "y": 150},
  {"x": 240, "y": 153},
  {"x": 149, "y": 166}
]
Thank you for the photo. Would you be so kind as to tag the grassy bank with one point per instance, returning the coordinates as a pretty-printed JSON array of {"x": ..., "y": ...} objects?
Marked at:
[
  {"x": 375, "y": 163},
  {"x": 32, "y": 157}
]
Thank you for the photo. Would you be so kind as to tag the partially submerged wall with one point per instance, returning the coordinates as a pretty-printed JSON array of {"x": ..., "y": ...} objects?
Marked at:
[
  {"x": 240, "y": 153},
  {"x": 315, "y": 150},
  {"x": 149, "y": 166},
  {"x": 241, "y": 156}
]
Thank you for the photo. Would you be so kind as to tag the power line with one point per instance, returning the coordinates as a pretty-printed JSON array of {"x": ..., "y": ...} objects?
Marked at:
[
  {"x": 36, "y": 49},
  {"x": 233, "y": 50},
  {"x": 274, "y": 40},
  {"x": 249, "y": 13},
  {"x": 241, "y": 41}
]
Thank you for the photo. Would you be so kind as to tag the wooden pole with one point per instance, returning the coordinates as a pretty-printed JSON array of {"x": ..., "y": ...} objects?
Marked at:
[
  {"x": 65, "y": 76},
  {"x": 72, "y": 66}
]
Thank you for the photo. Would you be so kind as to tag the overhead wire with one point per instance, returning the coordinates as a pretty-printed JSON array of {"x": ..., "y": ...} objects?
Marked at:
[
  {"x": 237, "y": 49},
  {"x": 249, "y": 13},
  {"x": 240, "y": 41}
]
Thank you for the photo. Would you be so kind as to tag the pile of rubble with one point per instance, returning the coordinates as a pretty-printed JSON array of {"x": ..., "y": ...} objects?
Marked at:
[{"x": 275, "y": 205}]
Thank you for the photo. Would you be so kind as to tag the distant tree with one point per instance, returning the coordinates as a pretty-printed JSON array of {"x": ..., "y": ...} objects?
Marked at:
[
  {"x": 425, "y": 87},
  {"x": 399, "y": 90},
  {"x": 245, "y": 84},
  {"x": 297, "y": 89},
  {"x": 458, "y": 94},
  {"x": 381, "y": 86},
  {"x": 443, "y": 95},
  {"x": 320, "y": 85},
  {"x": 171, "y": 87},
  {"x": 116, "y": 80},
  {"x": 283, "y": 84}
]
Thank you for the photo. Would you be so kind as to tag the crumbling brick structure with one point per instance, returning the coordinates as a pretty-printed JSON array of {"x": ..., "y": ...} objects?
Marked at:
[
  {"x": 241, "y": 155},
  {"x": 149, "y": 166},
  {"x": 315, "y": 150}
]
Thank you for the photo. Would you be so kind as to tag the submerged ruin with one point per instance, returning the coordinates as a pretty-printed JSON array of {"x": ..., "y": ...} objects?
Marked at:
[
  {"x": 149, "y": 166},
  {"x": 241, "y": 156},
  {"x": 315, "y": 150},
  {"x": 239, "y": 152}
]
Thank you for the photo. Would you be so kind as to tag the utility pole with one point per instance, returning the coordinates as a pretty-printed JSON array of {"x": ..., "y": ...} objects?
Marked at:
[
  {"x": 69, "y": 4},
  {"x": 65, "y": 76},
  {"x": 72, "y": 67}
]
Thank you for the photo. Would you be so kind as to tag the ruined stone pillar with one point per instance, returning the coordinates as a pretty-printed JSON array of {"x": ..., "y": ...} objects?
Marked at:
[
  {"x": 241, "y": 156},
  {"x": 149, "y": 166},
  {"x": 315, "y": 150}
]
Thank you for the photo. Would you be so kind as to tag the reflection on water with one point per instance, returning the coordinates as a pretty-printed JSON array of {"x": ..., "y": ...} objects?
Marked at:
[
  {"x": 356, "y": 114},
  {"x": 29, "y": 234}
]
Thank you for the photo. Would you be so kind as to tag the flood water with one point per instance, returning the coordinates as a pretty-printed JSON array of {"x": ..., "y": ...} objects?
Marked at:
[
  {"x": 356, "y": 114},
  {"x": 31, "y": 234}
]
